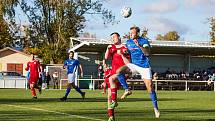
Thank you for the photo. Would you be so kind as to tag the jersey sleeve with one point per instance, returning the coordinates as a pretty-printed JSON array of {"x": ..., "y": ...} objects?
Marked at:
[
  {"x": 65, "y": 63},
  {"x": 126, "y": 45},
  {"x": 145, "y": 43},
  {"x": 77, "y": 62}
]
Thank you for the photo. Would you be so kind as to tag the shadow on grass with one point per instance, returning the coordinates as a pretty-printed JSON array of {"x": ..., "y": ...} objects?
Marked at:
[
  {"x": 102, "y": 99},
  {"x": 189, "y": 110}
]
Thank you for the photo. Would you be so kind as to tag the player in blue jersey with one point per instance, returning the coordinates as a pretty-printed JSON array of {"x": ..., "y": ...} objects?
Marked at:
[
  {"x": 72, "y": 64},
  {"x": 139, "y": 50}
]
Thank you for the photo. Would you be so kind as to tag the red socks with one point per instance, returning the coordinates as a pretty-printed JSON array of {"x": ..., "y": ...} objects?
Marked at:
[
  {"x": 33, "y": 92},
  {"x": 110, "y": 112},
  {"x": 114, "y": 94}
]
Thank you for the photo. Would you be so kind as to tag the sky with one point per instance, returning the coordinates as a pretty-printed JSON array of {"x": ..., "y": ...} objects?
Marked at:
[{"x": 187, "y": 17}]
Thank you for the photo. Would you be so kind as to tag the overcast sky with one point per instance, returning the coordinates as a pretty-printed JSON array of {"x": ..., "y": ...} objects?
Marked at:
[{"x": 188, "y": 17}]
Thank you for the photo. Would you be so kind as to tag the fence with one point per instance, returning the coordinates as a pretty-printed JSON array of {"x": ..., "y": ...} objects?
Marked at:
[
  {"x": 13, "y": 83},
  {"x": 158, "y": 84}
]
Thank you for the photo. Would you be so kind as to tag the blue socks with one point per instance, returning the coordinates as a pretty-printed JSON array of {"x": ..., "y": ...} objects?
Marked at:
[
  {"x": 78, "y": 90},
  {"x": 67, "y": 91},
  {"x": 122, "y": 81},
  {"x": 154, "y": 99}
]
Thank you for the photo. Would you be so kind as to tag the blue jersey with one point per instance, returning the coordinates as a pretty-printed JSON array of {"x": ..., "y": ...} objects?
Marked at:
[
  {"x": 137, "y": 55},
  {"x": 72, "y": 65}
]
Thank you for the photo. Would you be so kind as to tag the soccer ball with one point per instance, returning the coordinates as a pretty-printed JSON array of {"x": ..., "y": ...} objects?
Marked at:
[{"x": 126, "y": 12}]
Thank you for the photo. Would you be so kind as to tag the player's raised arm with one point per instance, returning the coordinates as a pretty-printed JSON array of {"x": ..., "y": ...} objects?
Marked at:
[{"x": 107, "y": 54}]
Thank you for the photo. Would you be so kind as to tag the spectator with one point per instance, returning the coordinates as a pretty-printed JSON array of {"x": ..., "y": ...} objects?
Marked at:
[
  {"x": 47, "y": 79},
  {"x": 100, "y": 72},
  {"x": 155, "y": 76},
  {"x": 55, "y": 79}
]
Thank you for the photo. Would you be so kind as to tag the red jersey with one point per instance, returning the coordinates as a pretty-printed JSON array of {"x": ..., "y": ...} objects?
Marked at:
[
  {"x": 117, "y": 60},
  {"x": 34, "y": 66}
]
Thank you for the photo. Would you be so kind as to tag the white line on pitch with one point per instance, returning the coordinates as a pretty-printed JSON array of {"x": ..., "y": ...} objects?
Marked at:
[{"x": 39, "y": 109}]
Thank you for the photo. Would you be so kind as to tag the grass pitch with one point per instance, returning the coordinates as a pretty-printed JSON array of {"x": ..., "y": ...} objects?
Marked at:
[{"x": 16, "y": 104}]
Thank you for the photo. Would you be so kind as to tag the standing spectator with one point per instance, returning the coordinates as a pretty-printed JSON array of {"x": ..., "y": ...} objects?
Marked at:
[
  {"x": 155, "y": 76},
  {"x": 41, "y": 77},
  {"x": 100, "y": 71},
  {"x": 55, "y": 79},
  {"x": 47, "y": 79}
]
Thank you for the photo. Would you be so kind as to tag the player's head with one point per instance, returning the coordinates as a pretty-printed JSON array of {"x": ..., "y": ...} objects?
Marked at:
[
  {"x": 115, "y": 37},
  {"x": 134, "y": 32},
  {"x": 71, "y": 54},
  {"x": 32, "y": 56}
]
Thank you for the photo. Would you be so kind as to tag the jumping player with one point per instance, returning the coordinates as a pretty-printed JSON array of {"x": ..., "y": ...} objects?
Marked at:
[
  {"x": 117, "y": 61},
  {"x": 72, "y": 65},
  {"x": 33, "y": 67},
  {"x": 139, "y": 50}
]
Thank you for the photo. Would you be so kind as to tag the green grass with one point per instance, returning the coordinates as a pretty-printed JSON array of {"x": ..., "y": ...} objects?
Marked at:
[{"x": 16, "y": 104}]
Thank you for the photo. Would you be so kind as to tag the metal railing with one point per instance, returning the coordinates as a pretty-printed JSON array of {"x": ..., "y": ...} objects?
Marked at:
[{"x": 185, "y": 83}]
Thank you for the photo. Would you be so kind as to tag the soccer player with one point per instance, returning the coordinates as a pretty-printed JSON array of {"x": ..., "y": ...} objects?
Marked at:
[
  {"x": 110, "y": 110},
  {"x": 114, "y": 52},
  {"x": 107, "y": 73},
  {"x": 33, "y": 67},
  {"x": 139, "y": 50},
  {"x": 72, "y": 65}
]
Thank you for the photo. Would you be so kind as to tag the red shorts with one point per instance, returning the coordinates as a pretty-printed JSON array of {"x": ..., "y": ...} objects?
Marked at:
[
  {"x": 33, "y": 78},
  {"x": 117, "y": 84}
]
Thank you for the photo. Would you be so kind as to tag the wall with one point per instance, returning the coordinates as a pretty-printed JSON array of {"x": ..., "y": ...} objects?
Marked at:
[{"x": 9, "y": 56}]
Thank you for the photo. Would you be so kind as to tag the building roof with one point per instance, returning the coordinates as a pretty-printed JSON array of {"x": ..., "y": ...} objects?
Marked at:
[
  {"x": 158, "y": 47},
  {"x": 17, "y": 51},
  {"x": 14, "y": 50}
]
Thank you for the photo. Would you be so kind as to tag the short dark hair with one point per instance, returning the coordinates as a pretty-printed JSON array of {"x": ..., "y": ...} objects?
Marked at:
[
  {"x": 71, "y": 52},
  {"x": 115, "y": 33},
  {"x": 136, "y": 28}
]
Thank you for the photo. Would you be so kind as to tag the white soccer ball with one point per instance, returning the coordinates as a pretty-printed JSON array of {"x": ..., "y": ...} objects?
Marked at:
[{"x": 126, "y": 12}]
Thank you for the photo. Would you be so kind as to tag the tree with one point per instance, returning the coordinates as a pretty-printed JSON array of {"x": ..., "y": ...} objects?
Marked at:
[
  {"x": 169, "y": 36},
  {"x": 145, "y": 33},
  {"x": 5, "y": 37},
  {"x": 212, "y": 32},
  {"x": 53, "y": 22},
  {"x": 159, "y": 37},
  {"x": 7, "y": 30},
  {"x": 172, "y": 36}
]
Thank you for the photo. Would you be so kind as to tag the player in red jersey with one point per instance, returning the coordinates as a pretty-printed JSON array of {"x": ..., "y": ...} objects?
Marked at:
[
  {"x": 107, "y": 73},
  {"x": 34, "y": 67},
  {"x": 117, "y": 62}
]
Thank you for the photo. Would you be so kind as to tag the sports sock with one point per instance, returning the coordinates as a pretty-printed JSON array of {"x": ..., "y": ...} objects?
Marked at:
[
  {"x": 154, "y": 99},
  {"x": 122, "y": 80},
  {"x": 110, "y": 112},
  {"x": 67, "y": 92},
  {"x": 78, "y": 90},
  {"x": 33, "y": 92},
  {"x": 114, "y": 94}
]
